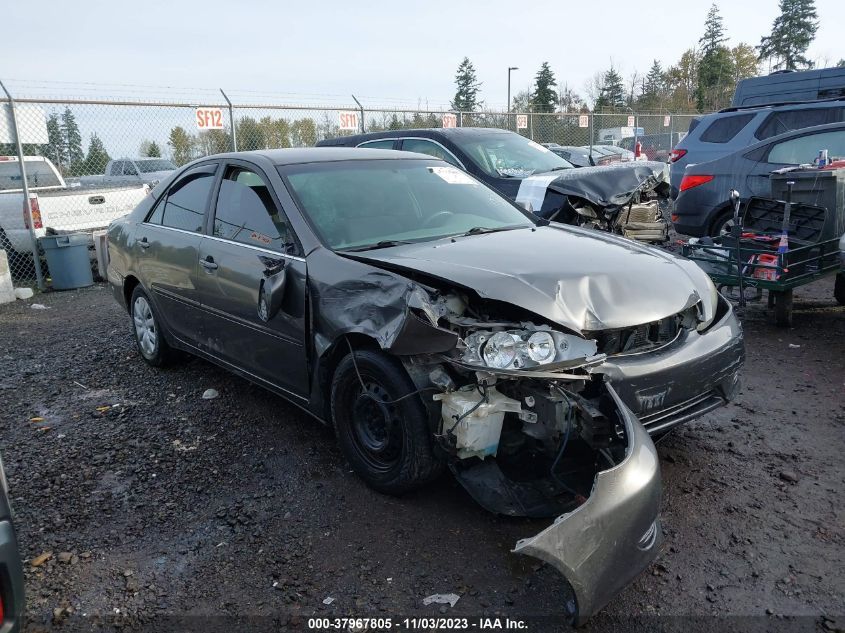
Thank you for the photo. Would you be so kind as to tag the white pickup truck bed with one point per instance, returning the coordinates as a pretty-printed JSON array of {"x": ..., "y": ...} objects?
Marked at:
[{"x": 57, "y": 208}]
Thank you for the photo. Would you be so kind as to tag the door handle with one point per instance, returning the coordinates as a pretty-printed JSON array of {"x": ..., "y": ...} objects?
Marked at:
[
  {"x": 143, "y": 243},
  {"x": 208, "y": 263}
]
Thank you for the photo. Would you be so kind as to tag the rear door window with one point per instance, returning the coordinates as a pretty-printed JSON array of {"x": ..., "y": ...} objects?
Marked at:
[
  {"x": 129, "y": 169},
  {"x": 247, "y": 213},
  {"x": 797, "y": 151},
  {"x": 116, "y": 168},
  {"x": 380, "y": 144},
  {"x": 783, "y": 122},
  {"x": 423, "y": 146},
  {"x": 724, "y": 129},
  {"x": 186, "y": 201}
]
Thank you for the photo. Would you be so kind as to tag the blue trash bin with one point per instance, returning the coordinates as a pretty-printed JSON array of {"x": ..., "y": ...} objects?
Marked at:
[{"x": 68, "y": 261}]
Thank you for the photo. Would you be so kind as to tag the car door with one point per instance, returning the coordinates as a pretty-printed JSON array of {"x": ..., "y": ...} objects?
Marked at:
[
  {"x": 167, "y": 251},
  {"x": 252, "y": 282},
  {"x": 797, "y": 150}
]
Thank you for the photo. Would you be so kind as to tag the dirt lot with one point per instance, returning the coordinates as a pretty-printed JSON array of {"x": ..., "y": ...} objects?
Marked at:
[{"x": 157, "y": 504}]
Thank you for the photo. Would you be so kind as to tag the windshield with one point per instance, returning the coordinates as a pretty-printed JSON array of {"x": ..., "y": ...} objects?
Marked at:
[
  {"x": 373, "y": 203},
  {"x": 149, "y": 166},
  {"x": 510, "y": 155}
]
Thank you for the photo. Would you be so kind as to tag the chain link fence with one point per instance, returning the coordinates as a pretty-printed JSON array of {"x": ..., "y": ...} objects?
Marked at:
[{"x": 88, "y": 161}]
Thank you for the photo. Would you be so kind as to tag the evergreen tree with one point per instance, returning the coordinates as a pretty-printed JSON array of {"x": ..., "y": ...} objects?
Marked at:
[
  {"x": 544, "y": 97},
  {"x": 468, "y": 87},
  {"x": 612, "y": 92},
  {"x": 72, "y": 142},
  {"x": 55, "y": 149},
  {"x": 714, "y": 31},
  {"x": 181, "y": 145},
  {"x": 716, "y": 68},
  {"x": 841, "y": 63},
  {"x": 95, "y": 161},
  {"x": 653, "y": 88},
  {"x": 792, "y": 32},
  {"x": 154, "y": 151}
]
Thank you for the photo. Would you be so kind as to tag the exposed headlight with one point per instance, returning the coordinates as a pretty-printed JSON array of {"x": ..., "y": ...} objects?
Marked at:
[
  {"x": 518, "y": 349},
  {"x": 541, "y": 347},
  {"x": 500, "y": 350}
]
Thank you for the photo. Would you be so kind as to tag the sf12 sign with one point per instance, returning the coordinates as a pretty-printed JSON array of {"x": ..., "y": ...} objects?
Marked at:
[
  {"x": 348, "y": 121},
  {"x": 667, "y": 120},
  {"x": 209, "y": 118},
  {"x": 521, "y": 121},
  {"x": 631, "y": 122},
  {"x": 584, "y": 120},
  {"x": 450, "y": 120}
]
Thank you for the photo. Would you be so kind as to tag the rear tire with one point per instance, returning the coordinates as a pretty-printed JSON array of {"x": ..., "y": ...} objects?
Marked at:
[
  {"x": 388, "y": 445},
  {"x": 146, "y": 328},
  {"x": 722, "y": 224}
]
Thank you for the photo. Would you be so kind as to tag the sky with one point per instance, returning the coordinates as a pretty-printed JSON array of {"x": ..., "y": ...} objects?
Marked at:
[{"x": 385, "y": 52}]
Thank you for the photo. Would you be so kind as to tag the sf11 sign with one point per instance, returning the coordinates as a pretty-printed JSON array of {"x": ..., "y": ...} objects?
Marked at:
[
  {"x": 348, "y": 121},
  {"x": 667, "y": 120},
  {"x": 584, "y": 120},
  {"x": 631, "y": 122},
  {"x": 450, "y": 120},
  {"x": 209, "y": 118},
  {"x": 521, "y": 121}
]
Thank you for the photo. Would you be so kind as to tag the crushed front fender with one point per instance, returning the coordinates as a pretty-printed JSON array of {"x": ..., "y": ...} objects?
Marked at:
[{"x": 613, "y": 536}]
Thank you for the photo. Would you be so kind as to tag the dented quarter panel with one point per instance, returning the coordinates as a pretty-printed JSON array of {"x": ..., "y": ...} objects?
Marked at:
[
  {"x": 613, "y": 536},
  {"x": 580, "y": 278}
]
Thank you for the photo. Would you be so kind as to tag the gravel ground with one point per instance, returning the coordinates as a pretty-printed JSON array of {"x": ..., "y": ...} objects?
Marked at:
[{"x": 152, "y": 504}]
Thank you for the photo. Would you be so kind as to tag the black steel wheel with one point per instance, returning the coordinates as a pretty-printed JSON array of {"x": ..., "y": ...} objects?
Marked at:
[{"x": 387, "y": 443}]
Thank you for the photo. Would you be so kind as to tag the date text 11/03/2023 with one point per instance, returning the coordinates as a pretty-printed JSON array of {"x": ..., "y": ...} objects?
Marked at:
[{"x": 422, "y": 623}]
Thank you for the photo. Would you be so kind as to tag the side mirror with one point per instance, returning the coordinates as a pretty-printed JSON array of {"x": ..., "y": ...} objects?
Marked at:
[{"x": 271, "y": 289}]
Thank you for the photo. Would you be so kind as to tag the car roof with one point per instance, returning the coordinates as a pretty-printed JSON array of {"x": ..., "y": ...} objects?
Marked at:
[
  {"x": 293, "y": 156},
  {"x": 432, "y": 132}
]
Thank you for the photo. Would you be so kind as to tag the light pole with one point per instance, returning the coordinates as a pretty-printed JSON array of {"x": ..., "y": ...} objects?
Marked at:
[{"x": 510, "y": 69}]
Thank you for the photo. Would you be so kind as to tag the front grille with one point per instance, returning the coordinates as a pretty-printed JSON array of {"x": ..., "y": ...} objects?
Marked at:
[{"x": 640, "y": 338}]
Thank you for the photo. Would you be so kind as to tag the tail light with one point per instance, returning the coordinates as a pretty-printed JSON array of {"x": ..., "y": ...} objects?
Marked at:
[
  {"x": 35, "y": 211},
  {"x": 689, "y": 182},
  {"x": 676, "y": 155}
]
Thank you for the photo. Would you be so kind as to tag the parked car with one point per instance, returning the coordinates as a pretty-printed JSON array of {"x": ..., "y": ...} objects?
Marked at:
[
  {"x": 132, "y": 170},
  {"x": 653, "y": 146},
  {"x": 11, "y": 568},
  {"x": 55, "y": 207},
  {"x": 581, "y": 156},
  {"x": 623, "y": 153},
  {"x": 716, "y": 135},
  {"x": 433, "y": 322},
  {"x": 536, "y": 176},
  {"x": 790, "y": 86},
  {"x": 703, "y": 206}
]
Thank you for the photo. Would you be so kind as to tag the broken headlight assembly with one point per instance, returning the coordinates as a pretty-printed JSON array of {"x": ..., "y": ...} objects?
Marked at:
[{"x": 524, "y": 348}]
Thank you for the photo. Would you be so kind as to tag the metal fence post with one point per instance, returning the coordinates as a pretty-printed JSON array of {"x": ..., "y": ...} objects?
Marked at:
[
  {"x": 27, "y": 207},
  {"x": 460, "y": 119},
  {"x": 591, "y": 133},
  {"x": 231, "y": 122},
  {"x": 361, "y": 109},
  {"x": 671, "y": 132}
]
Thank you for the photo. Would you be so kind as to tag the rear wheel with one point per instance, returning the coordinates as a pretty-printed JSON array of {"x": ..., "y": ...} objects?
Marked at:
[
  {"x": 147, "y": 330},
  {"x": 723, "y": 223},
  {"x": 387, "y": 443}
]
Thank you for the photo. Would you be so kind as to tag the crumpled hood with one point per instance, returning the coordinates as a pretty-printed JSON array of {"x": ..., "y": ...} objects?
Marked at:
[
  {"x": 608, "y": 186},
  {"x": 582, "y": 279}
]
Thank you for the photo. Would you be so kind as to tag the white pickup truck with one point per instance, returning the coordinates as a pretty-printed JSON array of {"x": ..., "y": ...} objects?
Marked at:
[
  {"x": 126, "y": 171},
  {"x": 56, "y": 207}
]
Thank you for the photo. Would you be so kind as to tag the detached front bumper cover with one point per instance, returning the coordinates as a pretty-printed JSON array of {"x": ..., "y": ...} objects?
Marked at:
[{"x": 610, "y": 539}]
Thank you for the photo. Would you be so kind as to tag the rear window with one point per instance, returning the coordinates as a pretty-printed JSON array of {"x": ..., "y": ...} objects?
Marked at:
[
  {"x": 782, "y": 122},
  {"x": 724, "y": 129},
  {"x": 38, "y": 174}
]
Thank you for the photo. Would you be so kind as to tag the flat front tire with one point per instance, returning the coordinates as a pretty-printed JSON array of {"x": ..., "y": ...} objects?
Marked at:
[
  {"x": 146, "y": 328},
  {"x": 388, "y": 444}
]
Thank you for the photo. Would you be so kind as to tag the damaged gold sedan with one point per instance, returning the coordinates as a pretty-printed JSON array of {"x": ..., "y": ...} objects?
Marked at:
[{"x": 435, "y": 324}]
